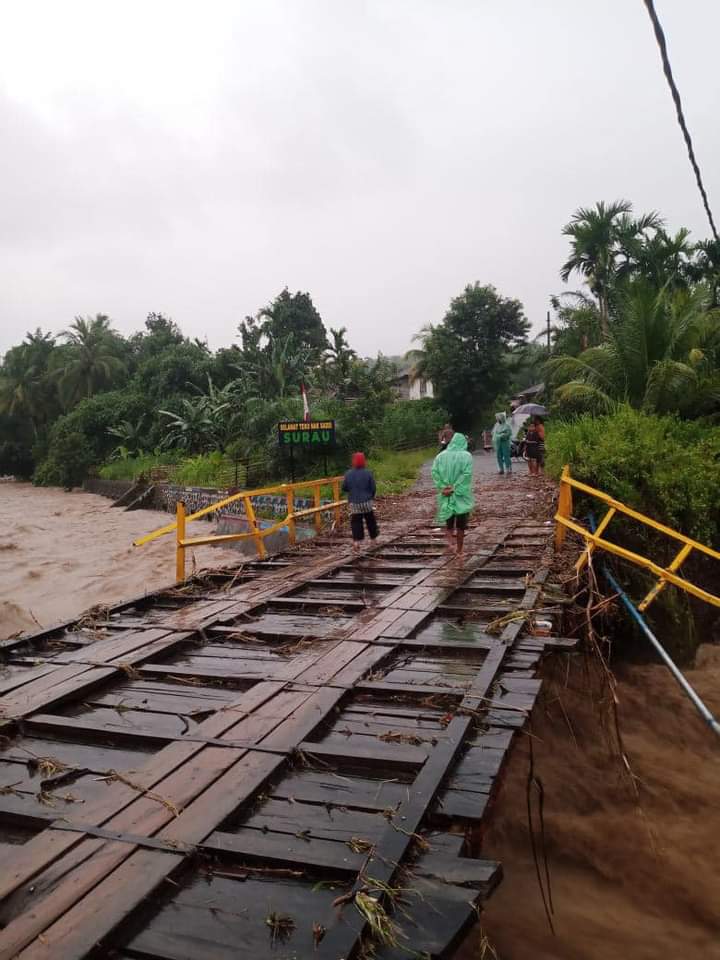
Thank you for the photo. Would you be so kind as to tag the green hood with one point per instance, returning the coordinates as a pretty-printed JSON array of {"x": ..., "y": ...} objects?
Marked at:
[
  {"x": 502, "y": 431},
  {"x": 458, "y": 442},
  {"x": 453, "y": 468}
]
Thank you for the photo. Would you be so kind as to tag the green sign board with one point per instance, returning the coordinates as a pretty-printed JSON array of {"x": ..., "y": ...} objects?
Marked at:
[{"x": 307, "y": 433}]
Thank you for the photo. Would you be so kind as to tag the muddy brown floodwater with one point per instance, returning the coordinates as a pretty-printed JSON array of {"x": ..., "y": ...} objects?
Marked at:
[
  {"x": 61, "y": 553},
  {"x": 632, "y": 878}
]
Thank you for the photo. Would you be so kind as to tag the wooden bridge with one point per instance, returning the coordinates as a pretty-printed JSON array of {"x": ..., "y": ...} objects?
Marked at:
[{"x": 292, "y": 760}]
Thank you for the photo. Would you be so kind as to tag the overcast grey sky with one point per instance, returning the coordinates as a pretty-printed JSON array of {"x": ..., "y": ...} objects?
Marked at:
[{"x": 196, "y": 158}]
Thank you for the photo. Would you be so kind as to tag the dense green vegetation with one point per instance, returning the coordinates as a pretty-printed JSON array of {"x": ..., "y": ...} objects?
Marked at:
[
  {"x": 636, "y": 358},
  {"x": 633, "y": 383},
  {"x": 662, "y": 466},
  {"x": 91, "y": 399}
]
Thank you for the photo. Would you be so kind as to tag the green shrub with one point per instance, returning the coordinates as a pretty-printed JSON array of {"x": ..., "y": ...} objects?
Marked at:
[
  {"x": 668, "y": 469},
  {"x": 130, "y": 468},
  {"x": 15, "y": 460},
  {"x": 81, "y": 438},
  {"x": 409, "y": 423},
  {"x": 664, "y": 467}
]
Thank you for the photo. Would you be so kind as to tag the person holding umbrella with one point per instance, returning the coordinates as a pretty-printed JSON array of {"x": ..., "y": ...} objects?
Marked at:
[{"x": 535, "y": 446}]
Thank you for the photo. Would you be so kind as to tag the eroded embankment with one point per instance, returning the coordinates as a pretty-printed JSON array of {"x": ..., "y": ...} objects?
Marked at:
[{"x": 637, "y": 880}]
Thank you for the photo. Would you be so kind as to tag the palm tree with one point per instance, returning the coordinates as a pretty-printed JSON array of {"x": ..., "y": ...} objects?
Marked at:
[
  {"x": 705, "y": 267},
  {"x": 339, "y": 354},
  {"x": 25, "y": 390},
  {"x": 418, "y": 356},
  {"x": 91, "y": 363},
  {"x": 604, "y": 244},
  {"x": 192, "y": 429},
  {"x": 660, "y": 355},
  {"x": 665, "y": 259}
]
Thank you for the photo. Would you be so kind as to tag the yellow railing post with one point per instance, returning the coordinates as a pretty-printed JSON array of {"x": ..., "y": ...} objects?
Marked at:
[
  {"x": 587, "y": 553},
  {"x": 290, "y": 500},
  {"x": 318, "y": 517},
  {"x": 180, "y": 538},
  {"x": 564, "y": 509},
  {"x": 255, "y": 531},
  {"x": 252, "y": 522},
  {"x": 336, "y": 497},
  {"x": 662, "y": 582}
]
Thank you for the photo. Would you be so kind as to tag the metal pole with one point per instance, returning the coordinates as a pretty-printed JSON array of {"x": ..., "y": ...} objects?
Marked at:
[
  {"x": 548, "y": 330},
  {"x": 664, "y": 655}
]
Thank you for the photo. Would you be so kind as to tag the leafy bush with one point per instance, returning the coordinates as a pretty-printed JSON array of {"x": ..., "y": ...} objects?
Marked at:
[
  {"x": 130, "y": 468},
  {"x": 69, "y": 459},
  {"x": 15, "y": 460},
  {"x": 203, "y": 470},
  {"x": 664, "y": 467},
  {"x": 410, "y": 423},
  {"x": 84, "y": 436},
  {"x": 668, "y": 469}
]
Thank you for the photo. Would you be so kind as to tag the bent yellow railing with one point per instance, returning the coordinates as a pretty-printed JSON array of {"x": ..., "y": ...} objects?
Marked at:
[
  {"x": 596, "y": 540},
  {"x": 255, "y": 533}
]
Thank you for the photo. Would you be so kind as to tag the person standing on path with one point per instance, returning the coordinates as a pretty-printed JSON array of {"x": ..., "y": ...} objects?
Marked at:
[
  {"x": 445, "y": 436},
  {"x": 535, "y": 447},
  {"x": 359, "y": 485},
  {"x": 452, "y": 474},
  {"x": 501, "y": 439}
]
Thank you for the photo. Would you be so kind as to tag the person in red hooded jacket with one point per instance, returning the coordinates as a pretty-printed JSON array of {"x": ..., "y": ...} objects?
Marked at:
[{"x": 359, "y": 485}]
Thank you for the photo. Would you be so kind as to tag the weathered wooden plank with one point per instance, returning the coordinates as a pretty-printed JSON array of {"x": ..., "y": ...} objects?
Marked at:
[
  {"x": 397, "y": 756},
  {"x": 272, "y": 848}
]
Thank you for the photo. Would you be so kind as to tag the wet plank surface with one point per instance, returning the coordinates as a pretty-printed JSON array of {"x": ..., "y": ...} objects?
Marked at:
[{"x": 204, "y": 772}]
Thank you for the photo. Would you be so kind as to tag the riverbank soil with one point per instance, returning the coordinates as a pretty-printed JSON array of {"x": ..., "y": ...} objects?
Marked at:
[
  {"x": 61, "y": 553},
  {"x": 631, "y": 880}
]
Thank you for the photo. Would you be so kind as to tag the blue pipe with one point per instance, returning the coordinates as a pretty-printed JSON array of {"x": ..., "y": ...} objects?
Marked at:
[{"x": 640, "y": 620}]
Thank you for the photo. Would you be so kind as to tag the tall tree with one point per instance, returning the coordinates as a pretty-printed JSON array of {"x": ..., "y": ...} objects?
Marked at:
[
  {"x": 337, "y": 359},
  {"x": 604, "y": 242},
  {"x": 465, "y": 354},
  {"x": 661, "y": 355},
  {"x": 26, "y": 389},
  {"x": 294, "y": 314},
  {"x": 92, "y": 360},
  {"x": 275, "y": 369}
]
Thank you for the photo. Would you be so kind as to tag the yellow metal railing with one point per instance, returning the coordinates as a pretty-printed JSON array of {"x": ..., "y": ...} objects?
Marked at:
[
  {"x": 596, "y": 540},
  {"x": 255, "y": 533}
]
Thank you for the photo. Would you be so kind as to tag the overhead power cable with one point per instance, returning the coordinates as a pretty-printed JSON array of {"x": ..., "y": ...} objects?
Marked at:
[{"x": 667, "y": 69}]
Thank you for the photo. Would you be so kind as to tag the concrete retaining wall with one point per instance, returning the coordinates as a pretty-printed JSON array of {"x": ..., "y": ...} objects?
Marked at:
[
  {"x": 196, "y": 498},
  {"x": 114, "y": 489}
]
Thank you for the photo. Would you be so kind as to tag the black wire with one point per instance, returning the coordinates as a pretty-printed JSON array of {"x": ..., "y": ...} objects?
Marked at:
[
  {"x": 534, "y": 781},
  {"x": 662, "y": 44}
]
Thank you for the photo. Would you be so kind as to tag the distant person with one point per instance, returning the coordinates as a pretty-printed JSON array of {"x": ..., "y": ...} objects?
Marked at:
[
  {"x": 359, "y": 485},
  {"x": 487, "y": 440},
  {"x": 445, "y": 436},
  {"x": 535, "y": 447},
  {"x": 452, "y": 474},
  {"x": 501, "y": 441}
]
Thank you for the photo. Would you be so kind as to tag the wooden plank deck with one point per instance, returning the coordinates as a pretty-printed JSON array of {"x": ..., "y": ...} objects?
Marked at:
[{"x": 227, "y": 769}]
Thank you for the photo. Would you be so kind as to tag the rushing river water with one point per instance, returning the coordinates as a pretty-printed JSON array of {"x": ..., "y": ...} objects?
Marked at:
[{"x": 61, "y": 553}]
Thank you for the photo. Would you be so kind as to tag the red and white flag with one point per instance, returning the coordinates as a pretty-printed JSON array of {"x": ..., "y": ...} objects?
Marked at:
[{"x": 306, "y": 405}]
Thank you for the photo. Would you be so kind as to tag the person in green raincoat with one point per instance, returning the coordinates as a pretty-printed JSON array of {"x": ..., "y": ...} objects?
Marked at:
[
  {"x": 501, "y": 438},
  {"x": 452, "y": 474}
]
